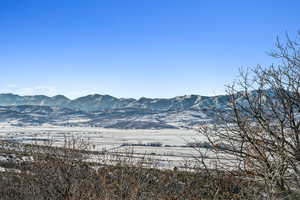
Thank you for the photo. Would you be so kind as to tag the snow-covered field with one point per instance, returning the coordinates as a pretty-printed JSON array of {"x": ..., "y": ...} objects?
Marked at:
[
  {"x": 99, "y": 137},
  {"x": 170, "y": 153}
]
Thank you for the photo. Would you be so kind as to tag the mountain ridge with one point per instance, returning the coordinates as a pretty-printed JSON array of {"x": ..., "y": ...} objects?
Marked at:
[
  {"x": 97, "y": 102},
  {"x": 110, "y": 112}
]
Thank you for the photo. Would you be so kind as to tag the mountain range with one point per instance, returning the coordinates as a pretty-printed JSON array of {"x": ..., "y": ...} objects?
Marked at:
[
  {"x": 111, "y": 112},
  {"x": 96, "y": 102}
]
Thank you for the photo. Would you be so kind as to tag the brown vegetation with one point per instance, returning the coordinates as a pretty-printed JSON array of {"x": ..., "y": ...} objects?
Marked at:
[{"x": 62, "y": 173}]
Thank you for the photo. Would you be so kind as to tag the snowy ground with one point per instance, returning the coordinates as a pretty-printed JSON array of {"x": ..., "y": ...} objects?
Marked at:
[
  {"x": 100, "y": 137},
  {"x": 170, "y": 154}
]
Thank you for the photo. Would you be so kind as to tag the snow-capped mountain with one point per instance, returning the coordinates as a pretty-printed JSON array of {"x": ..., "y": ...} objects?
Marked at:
[
  {"x": 110, "y": 112},
  {"x": 106, "y": 102}
]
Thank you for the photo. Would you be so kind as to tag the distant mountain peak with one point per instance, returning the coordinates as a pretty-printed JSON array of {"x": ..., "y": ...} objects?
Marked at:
[{"x": 60, "y": 97}]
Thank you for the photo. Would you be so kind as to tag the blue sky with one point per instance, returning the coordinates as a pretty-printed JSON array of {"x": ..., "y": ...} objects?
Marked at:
[{"x": 135, "y": 48}]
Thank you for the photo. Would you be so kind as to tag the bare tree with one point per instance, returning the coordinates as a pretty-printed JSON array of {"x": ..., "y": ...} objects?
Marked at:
[{"x": 260, "y": 127}]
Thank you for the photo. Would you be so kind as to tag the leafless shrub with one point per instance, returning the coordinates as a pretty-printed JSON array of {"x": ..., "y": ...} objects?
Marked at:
[
  {"x": 55, "y": 173},
  {"x": 64, "y": 173}
]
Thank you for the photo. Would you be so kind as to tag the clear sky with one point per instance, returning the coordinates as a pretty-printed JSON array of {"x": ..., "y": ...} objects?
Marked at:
[{"x": 135, "y": 48}]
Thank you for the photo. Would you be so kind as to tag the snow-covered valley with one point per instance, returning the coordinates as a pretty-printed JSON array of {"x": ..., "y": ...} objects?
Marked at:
[{"x": 165, "y": 148}]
